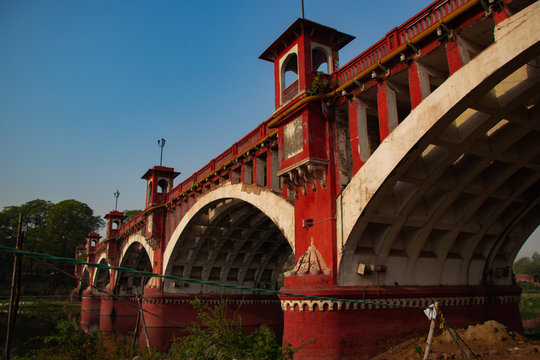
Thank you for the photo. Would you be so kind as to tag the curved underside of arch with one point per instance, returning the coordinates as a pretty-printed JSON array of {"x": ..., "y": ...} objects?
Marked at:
[
  {"x": 451, "y": 195},
  {"x": 102, "y": 276},
  {"x": 85, "y": 280},
  {"x": 226, "y": 237},
  {"x": 135, "y": 257}
]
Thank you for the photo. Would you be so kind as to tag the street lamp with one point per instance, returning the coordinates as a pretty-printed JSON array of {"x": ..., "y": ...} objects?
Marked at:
[{"x": 161, "y": 144}]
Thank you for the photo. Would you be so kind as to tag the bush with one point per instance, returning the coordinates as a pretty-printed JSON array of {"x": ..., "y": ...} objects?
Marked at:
[{"x": 220, "y": 336}]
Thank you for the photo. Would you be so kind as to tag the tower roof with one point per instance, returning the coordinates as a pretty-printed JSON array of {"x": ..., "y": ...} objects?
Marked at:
[
  {"x": 160, "y": 171},
  {"x": 304, "y": 26}
]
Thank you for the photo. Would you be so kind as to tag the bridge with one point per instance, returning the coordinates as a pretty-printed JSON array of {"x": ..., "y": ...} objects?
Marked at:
[{"x": 407, "y": 176}]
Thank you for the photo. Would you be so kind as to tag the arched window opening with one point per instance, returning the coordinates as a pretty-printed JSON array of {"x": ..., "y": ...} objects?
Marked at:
[
  {"x": 149, "y": 192},
  {"x": 115, "y": 224},
  {"x": 290, "y": 70},
  {"x": 319, "y": 60},
  {"x": 162, "y": 186}
]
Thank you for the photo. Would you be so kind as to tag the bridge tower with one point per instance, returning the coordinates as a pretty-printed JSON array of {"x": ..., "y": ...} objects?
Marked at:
[
  {"x": 159, "y": 181},
  {"x": 304, "y": 56},
  {"x": 315, "y": 163}
]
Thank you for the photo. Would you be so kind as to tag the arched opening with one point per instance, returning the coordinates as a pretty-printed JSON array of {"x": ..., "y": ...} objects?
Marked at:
[
  {"x": 102, "y": 276},
  {"x": 134, "y": 258},
  {"x": 116, "y": 224},
  {"x": 84, "y": 282},
  {"x": 229, "y": 241},
  {"x": 289, "y": 70},
  {"x": 149, "y": 192},
  {"x": 319, "y": 60},
  {"x": 163, "y": 185}
]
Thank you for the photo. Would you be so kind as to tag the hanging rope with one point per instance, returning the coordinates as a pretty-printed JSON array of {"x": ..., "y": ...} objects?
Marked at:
[{"x": 7, "y": 249}]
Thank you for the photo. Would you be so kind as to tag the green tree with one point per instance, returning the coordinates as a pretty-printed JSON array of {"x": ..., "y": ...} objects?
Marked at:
[
  {"x": 529, "y": 266},
  {"x": 130, "y": 214},
  {"x": 68, "y": 224},
  {"x": 55, "y": 229}
]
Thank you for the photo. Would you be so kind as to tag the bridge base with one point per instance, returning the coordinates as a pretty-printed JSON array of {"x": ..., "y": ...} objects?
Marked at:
[
  {"x": 118, "y": 315},
  {"x": 342, "y": 330},
  {"x": 173, "y": 313},
  {"x": 90, "y": 309}
]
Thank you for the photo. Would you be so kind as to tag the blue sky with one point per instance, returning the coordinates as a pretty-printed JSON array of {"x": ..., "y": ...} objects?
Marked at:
[{"x": 88, "y": 87}]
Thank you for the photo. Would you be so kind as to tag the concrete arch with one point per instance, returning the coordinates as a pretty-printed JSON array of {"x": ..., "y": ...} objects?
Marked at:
[
  {"x": 279, "y": 210},
  {"x": 135, "y": 256},
  {"x": 101, "y": 276},
  {"x": 451, "y": 194},
  {"x": 236, "y": 233},
  {"x": 137, "y": 238}
]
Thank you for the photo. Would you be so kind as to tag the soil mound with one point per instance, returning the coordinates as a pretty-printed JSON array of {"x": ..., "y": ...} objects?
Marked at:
[{"x": 491, "y": 340}]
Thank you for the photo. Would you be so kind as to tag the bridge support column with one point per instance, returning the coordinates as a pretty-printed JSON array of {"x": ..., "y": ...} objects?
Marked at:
[
  {"x": 418, "y": 83},
  {"x": 387, "y": 109},
  {"x": 118, "y": 314},
  {"x": 456, "y": 54},
  {"x": 344, "y": 330},
  {"x": 90, "y": 309},
  {"x": 171, "y": 314}
]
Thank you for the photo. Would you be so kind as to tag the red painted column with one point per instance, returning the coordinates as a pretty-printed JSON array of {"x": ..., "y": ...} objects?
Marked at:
[
  {"x": 501, "y": 14},
  {"x": 269, "y": 169},
  {"x": 456, "y": 56},
  {"x": 387, "y": 109},
  {"x": 355, "y": 142},
  {"x": 418, "y": 84}
]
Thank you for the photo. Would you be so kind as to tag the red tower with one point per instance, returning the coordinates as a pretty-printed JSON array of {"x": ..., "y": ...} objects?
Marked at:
[
  {"x": 304, "y": 56},
  {"x": 159, "y": 180}
]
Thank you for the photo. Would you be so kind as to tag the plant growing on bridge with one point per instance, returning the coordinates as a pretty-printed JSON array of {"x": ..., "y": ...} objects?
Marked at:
[
  {"x": 221, "y": 336},
  {"x": 320, "y": 84}
]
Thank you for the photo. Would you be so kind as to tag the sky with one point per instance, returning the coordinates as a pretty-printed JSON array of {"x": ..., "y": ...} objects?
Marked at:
[{"x": 88, "y": 87}]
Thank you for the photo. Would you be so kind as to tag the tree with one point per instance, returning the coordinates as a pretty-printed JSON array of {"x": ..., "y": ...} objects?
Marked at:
[
  {"x": 68, "y": 224},
  {"x": 54, "y": 229},
  {"x": 529, "y": 266},
  {"x": 130, "y": 214}
]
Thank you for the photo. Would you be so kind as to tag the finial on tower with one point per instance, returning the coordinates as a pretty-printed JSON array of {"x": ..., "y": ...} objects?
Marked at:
[
  {"x": 302, "y": 9},
  {"x": 161, "y": 144},
  {"x": 116, "y": 195}
]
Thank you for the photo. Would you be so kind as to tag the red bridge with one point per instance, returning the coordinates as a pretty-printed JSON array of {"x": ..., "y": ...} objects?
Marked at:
[{"x": 409, "y": 175}]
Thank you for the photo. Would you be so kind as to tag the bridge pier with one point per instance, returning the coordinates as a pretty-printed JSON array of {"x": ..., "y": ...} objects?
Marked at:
[
  {"x": 90, "y": 310},
  {"x": 118, "y": 314},
  {"x": 170, "y": 314},
  {"x": 343, "y": 330}
]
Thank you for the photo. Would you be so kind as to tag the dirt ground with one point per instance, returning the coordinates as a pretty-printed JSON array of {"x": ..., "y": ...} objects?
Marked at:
[{"x": 490, "y": 340}]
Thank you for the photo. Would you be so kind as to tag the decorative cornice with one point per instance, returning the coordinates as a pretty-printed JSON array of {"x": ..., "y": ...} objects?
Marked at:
[
  {"x": 187, "y": 301},
  {"x": 392, "y": 303}
]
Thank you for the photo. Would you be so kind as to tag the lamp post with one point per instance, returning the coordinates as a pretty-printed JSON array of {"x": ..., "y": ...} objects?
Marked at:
[
  {"x": 116, "y": 195},
  {"x": 161, "y": 144}
]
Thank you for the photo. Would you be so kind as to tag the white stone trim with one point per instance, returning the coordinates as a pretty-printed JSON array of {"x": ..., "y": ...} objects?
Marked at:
[{"x": 395, "y": 303}]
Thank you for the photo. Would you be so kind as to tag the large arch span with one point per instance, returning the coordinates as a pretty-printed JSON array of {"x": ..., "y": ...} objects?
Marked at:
[
  {"x": 237, "y": 234},
  {"x": 451, "y": 195}
]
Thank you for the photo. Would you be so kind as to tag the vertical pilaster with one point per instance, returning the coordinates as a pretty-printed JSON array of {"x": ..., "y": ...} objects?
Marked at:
[
  {"x": 419, "y": 87},
  {"x": 457, "y": 54},
  {"x": 353, "y": 130},
  {"x": 387, "y": 109}
]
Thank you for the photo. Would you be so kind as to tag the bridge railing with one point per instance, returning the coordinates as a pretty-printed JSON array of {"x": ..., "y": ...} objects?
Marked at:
[
  {"x": 415, "y": 26},
  {"x": 226, "y": 157}
]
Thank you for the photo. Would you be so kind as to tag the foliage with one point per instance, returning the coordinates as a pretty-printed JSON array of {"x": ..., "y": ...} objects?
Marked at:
[
  {"x": 130, "y": 214},
  {"x": 529, "y": 288},
  {"x": 528, "y": 265},
  {"x": 51, "y": 228},
  {"x": 529, "y": 306},
  {"x": 417, "y": 349},
  {"x": 220, "y": 336},
  {"x": 320, "y": 85},
  {"x": 71, "y": 342}
]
